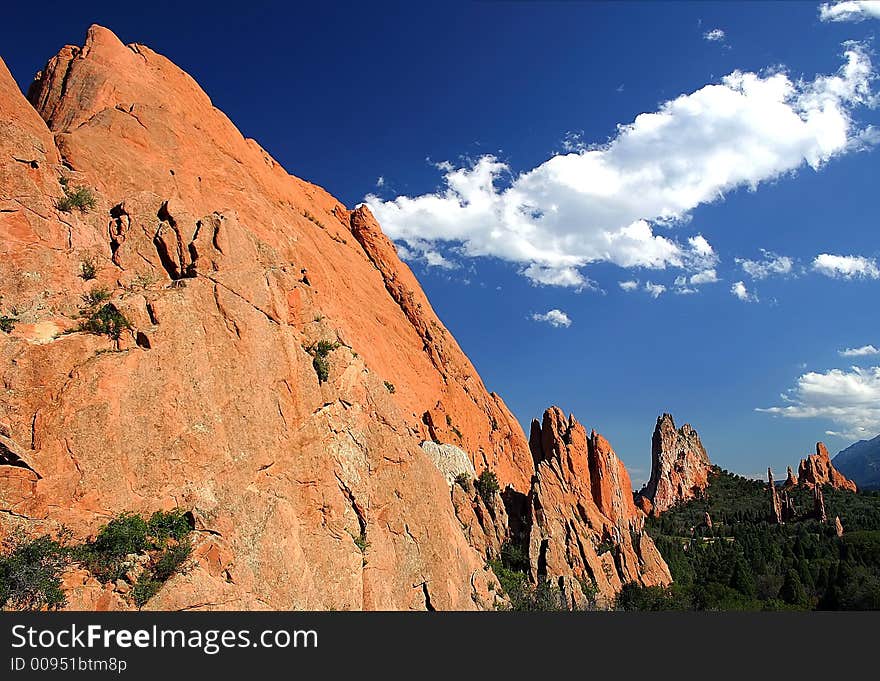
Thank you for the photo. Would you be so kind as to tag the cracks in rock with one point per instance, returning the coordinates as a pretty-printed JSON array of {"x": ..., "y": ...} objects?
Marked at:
[
  {"x": 130, "y": 112},
  {"x": 238, "y": 295},
  {"x": 231, "y": 324}
]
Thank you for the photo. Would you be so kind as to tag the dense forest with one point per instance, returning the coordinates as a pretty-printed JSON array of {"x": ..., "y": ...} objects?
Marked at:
[{"x": 725, "y": 553}]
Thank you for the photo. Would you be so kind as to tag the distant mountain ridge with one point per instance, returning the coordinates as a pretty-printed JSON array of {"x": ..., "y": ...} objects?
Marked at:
[{"x": 860, "y": 462}]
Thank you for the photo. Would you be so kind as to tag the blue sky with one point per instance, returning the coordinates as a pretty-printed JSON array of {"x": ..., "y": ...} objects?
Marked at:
[{"x": 759, "y": 191}]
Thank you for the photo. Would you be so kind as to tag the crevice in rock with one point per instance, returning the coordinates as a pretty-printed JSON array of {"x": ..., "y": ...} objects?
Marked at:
[
  {"x": 10, "y": 458},
  {"x": 428, "y": 605}
]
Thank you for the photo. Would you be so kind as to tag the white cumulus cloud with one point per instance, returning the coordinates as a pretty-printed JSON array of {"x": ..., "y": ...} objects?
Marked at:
[
  {"x": 740, "y": 290},
  {"x": 553, "y": 317},
  {"x": 846, "y": 266},
  {"x": 602, "y": 204},
  {"x": 850, "y": 398},
  {"x": 628, "y": 286},
  {"x": 716, "y": 35},
  {"x": 849, "y": 10},
  {"x": 863, "y": 351},
  {"x": 769, "y": 265}
]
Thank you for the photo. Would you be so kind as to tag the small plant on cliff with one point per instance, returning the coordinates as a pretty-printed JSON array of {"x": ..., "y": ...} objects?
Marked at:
[
  {"x": 106, "y": 320},
  {"x": 487, "y": 486},
  {"x": 30, "y": 573},
  {"x": 7, "y": 324},
  {"x": 320, "y": 352},
  {"x": 88, "y": 269},
  {"x": 389, "y": 386},
  {"x": 81, "y": 198},
  {"x": 463, "y": 480},
  {"x": 96, "y": 296}
]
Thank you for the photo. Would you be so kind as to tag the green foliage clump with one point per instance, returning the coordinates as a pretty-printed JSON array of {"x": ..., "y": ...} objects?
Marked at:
[
  {"x": 389, "y": 386},
  {"x": 30, "y": 573},
  {"x": 110, "y": 555},
  {"x": 88, "y": 269},
  {"x": 105, "y": 321},
  {"x": 81, "y": 198},
  {"x": 7, "y": 324},
  {"x": 486, "y": 486},
  {"x": 320, "y": 352},
  {"x": 463, "y": 480},
  {"x": 95, "y": 297}
]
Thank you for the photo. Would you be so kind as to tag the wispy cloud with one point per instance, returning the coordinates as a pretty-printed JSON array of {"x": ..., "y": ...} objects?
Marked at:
[
  {"x": 863, "y": 351},
  {"x": 716, "y": 35},
  {"x": 654, "y": 290},
  {"x": 771, "y": 264},
  {"x": 846, "y": 266},
  {"x": 553, "y": 317},
  {"x": 602, "y": 204}
]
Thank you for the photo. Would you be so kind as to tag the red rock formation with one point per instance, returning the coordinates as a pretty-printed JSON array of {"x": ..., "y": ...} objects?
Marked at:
[
  {"x": 679, "y": 466},
  {"x": 838, "y": 526},
  {"x": 584, "y": 527},
  {"x": 211, "y": 401},
  {"x": 817, "y": 469},
  {"x": 791, "y": 479},
  {"x": 819, "y": 504},
  {"x": 775, "y": 502}
]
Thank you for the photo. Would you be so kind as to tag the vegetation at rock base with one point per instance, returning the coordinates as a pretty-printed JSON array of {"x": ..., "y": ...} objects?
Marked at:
[
  {"x": 30, "y": 573},
  {"x": 746, "y": 562},
  {"x": 320, "y": 353},
  {"x": 512, "y": 570},
  {"x": 486, "y": 486},
  {"x": 31, "y": 570}
]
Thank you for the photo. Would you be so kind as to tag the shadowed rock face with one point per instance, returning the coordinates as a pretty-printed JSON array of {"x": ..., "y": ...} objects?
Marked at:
[
  {"x": 230, "y": 270},
  {"x": 817, "y": 470},
  {"x": 679, "y": 466}
]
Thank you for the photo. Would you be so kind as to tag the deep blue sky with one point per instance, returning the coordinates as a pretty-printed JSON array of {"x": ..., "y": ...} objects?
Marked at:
[{"x": 344, "y": 94}]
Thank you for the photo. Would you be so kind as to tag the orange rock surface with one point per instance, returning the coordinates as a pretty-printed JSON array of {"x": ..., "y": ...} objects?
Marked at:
[
  {"x": 679, "y": 466},
  {"x": 229, "y": 270},
  {"x": 817, "y": 470}
]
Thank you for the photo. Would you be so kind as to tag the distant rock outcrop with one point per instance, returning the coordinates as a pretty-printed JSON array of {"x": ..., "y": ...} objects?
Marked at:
[
  {"x": 679, "y": 467},
  {"x": 817, "y": 469}
]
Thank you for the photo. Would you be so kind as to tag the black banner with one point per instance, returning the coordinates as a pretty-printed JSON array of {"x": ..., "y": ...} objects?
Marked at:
[{"x": 518, "y": 645}]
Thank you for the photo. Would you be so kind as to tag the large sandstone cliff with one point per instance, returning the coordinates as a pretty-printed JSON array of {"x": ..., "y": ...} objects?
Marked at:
[
  {"x": 306, "y": 493},
  {"x": 817, "y": 470}
]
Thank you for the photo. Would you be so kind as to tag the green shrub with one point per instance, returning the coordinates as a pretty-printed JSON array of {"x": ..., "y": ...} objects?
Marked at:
[
  {"x": 30, "y": 573},
  {"x": 144, "y": 589},
  {"x": 389, "y": 386},
  {"x": 487, "y": 485},
  {"x": 320, "y": 352},
  {"x": 463, "y": 480},
  {"x": 172, "y": 560},
  {"x": 169, "y": 524},
  {"x": 96, "y": 296},
  {"x": 7, "y": 324},
  {"x": 107, "y": 321},
  {"x": 81, "y": 198},
  {"x": 88, "y": 268}
]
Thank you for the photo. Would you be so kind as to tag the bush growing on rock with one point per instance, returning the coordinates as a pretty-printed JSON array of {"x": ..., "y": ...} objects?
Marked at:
[
  {"x": 487, "y": 485},
  {"x": 7, "y": 324},
  {"x": 30, "y": 573},
  {"x": 81, "y": 198},
  {"x": 320, "y": 352}
]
